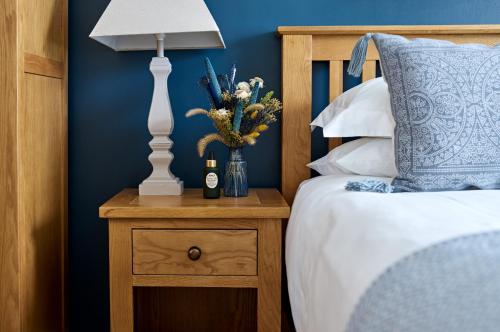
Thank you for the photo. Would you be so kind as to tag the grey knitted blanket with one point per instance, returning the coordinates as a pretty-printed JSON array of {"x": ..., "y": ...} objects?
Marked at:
[{"x": 452, "y": 286}]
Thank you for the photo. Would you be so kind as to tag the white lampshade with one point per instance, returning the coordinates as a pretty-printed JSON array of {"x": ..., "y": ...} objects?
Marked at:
[{"x": 128, "y": 25}]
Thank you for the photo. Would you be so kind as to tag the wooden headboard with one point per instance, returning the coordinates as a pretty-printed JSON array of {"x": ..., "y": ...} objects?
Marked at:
[{"x": 303, "y": 45}]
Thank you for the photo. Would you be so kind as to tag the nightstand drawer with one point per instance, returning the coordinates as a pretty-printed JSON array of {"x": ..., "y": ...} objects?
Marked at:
[{"x": 195, "y": 252}]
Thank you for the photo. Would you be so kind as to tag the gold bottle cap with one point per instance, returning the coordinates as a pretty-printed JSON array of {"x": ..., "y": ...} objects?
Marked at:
[{"x": 211, "y": 162}]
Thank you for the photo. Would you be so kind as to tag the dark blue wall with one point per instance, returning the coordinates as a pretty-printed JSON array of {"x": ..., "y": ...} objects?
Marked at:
[{"x": 110, "y": 93}]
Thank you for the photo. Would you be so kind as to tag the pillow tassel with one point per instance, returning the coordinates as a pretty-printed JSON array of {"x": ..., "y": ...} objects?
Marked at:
[
  {"x": 373, "y": 186},
  {"x": 358, "y": 56}
]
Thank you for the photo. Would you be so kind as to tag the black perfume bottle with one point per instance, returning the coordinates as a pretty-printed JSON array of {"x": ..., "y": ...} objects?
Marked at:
[{"x": 211, "y": 187}]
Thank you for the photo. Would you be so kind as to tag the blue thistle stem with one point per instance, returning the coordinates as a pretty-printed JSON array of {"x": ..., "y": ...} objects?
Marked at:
[
  {"x": 224, "y": 82},
  {"x": 232, "y": 77},
  {"x": 255, "y": 93},
  {"x": 238, "y": 114},
  {"x": 204, "y": 82},
  {"x": 213, "y": 83}
]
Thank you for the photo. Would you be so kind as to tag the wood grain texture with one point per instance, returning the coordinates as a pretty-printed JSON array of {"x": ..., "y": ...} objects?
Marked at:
[
  {"x": 64, "y": 169},
  {"x": 223, "y": 252},
  {"x": 40, "y": 214},
  {"x": 189, "y": 223},
  {"x": 33, "y": 170},
  {"x": 35, "y": 64},
  {"x": 336, "y": 88},
  {"x": 195, "y": 281},
  {"x": 120, "y": 277},
  {"x": 335, "y": 44},
  {"x": 195, "y": 309},
  {"x": 269, "y": 291},
  {"x": 336, "y": 83},
  {"x": 369, "y": 70},
  {"x": 43, "y": 28},
  {"x": 297, "y": 105},
  {"x": 482, "y": 29},
  {"x": 10, "y": 317},
  {"x": 261, "y": 203},
  {"x": 339, "y": 47}
]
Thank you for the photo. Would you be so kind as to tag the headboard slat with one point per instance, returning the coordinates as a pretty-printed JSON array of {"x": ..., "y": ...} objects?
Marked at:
[
  {"x": 303, "y": 45},
  {"x": 369, "y": 70},
  {"x": 336, "y": 79},
  {"x": 297, "y": 101},
  {"x": 336, "y": 89}
]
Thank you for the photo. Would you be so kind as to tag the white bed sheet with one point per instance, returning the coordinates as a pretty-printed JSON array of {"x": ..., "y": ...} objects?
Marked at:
[{"x": 338, "y": 242}]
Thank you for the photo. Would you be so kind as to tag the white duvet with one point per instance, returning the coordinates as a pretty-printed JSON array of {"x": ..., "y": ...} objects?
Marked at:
[{"x": 338, "y": 242}]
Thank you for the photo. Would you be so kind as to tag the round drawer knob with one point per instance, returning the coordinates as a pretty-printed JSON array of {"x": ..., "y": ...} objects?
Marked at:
[{"x": 194, "y": 253}]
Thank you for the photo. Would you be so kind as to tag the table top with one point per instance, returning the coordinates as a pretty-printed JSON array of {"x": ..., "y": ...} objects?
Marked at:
[{"x": 260, "y": 203}]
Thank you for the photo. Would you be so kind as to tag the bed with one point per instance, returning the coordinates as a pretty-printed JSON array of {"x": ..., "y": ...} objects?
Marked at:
[{"x": 371, "y": 262}]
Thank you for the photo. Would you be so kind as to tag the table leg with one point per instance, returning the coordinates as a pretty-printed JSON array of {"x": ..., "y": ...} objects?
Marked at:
[
  {"x": 269, "y": 274},
  {"x": 120, "y": 277}
]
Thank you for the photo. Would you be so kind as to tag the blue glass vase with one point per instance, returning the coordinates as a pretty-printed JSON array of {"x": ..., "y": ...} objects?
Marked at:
[{"x": 235, "y": 179}]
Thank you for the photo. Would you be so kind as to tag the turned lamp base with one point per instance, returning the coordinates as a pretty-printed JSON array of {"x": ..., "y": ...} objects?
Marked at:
[
  {"x": 161, "y": 187},
  {"x": 160, "y": 124}
]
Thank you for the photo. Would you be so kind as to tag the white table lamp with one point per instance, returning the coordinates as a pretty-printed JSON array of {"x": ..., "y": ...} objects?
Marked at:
[{"x": 129, "y": 25}]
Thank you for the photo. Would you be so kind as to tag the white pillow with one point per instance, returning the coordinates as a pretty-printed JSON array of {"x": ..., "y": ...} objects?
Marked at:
[
  {"x": 364, "y": 110},
  {"x": 365, "y": 156}
]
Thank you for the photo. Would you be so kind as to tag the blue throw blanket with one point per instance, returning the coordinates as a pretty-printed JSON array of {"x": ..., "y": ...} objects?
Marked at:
[{"x": 453, "y": 286}]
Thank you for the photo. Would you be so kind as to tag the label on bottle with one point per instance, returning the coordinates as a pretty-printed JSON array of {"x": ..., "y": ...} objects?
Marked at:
[{"x": 211, "y": 180}]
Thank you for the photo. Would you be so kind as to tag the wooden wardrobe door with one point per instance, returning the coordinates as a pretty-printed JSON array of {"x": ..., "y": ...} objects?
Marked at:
[
  {"x": 42, "y": 156},
  {"x": 41, "y": 209},
  {"x": 9, "y": 263}
]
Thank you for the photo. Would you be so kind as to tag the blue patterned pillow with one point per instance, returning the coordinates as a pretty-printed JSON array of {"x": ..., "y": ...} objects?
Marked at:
[{"x": 445, "y": 99}]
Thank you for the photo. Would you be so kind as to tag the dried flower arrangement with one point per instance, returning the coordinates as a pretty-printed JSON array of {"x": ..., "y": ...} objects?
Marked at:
[{"x": 235, "y": 110}]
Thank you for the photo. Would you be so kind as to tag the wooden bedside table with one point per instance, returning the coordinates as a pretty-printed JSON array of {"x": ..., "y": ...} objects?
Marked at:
[{"x": 188, "y": 241}]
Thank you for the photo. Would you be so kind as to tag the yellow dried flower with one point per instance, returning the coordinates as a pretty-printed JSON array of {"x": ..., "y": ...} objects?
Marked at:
[
  {"x": 226, "y": 96},
  {"x": 196, "y": 111},
  {"x": 254, "y": 107},
  {"x": 262, "y": 127},
  {"x": 254, "y": 134},
  {"x": 207, "y": 139},
  {"x": 250, "y": 140},
  {"x": 273, "y": 105}
]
